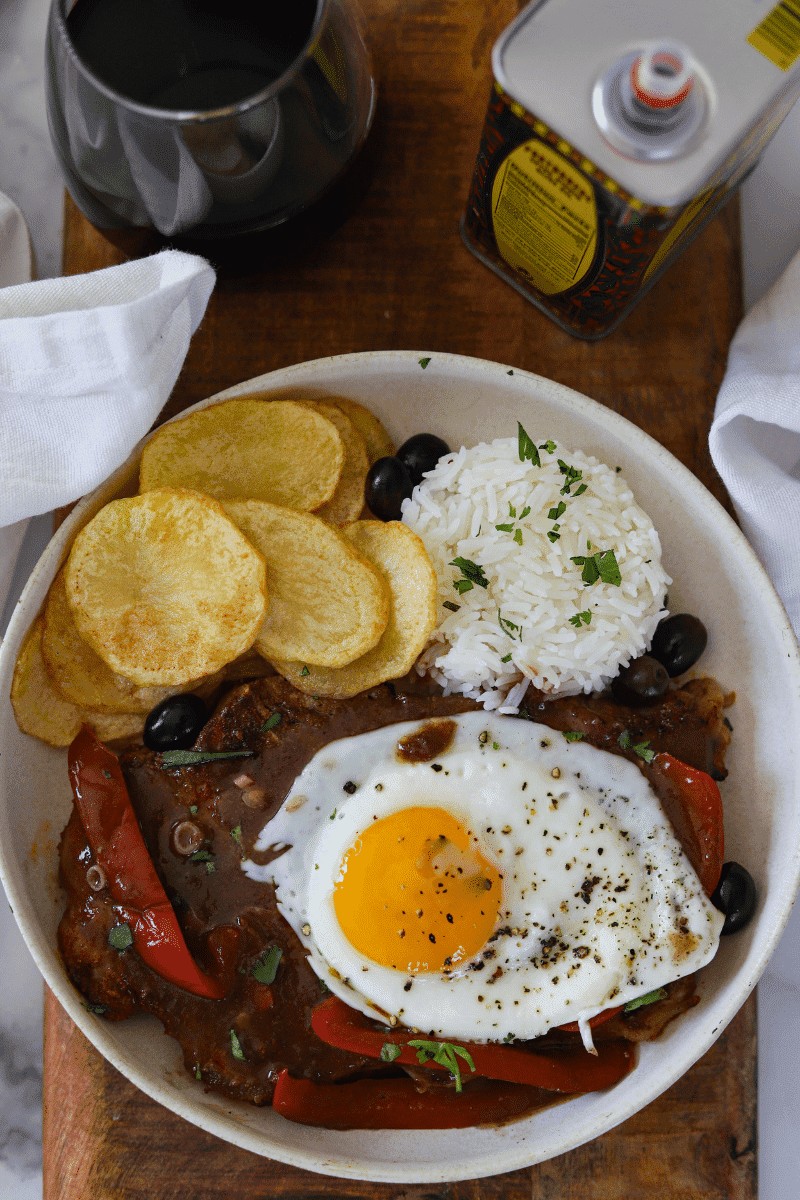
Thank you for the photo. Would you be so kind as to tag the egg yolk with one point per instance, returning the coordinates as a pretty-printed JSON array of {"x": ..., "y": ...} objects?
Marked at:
[{"x": 415, "y": 893}]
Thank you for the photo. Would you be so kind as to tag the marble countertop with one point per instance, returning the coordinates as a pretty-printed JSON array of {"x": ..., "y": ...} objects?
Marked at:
[{"x": 29, "y": 175}]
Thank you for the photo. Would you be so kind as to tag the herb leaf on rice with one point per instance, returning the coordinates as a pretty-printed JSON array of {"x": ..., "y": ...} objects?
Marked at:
[{"x": 577, "y": 535}]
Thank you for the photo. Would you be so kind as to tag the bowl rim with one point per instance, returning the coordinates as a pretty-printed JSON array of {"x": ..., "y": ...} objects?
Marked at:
[{"x": 520, "y": 1155}]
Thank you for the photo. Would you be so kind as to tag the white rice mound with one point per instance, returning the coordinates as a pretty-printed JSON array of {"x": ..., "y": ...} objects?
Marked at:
[{"x": 534, "y": 586}]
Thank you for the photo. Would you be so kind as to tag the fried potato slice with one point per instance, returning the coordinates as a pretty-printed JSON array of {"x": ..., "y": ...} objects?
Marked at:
[
  {"x": 42, "y": 712},
  {"x": 277, "y": 450},
  {"x": 403, "y": 559},
  {"x": 377, "y": 440},
  {"x": 165, "y": 588},
  {"x": 348, "y": 500},
  {"x": 327, "y": 604},
  {"x": 81, "y": 676},
  {"x": 78, "y": 673}
]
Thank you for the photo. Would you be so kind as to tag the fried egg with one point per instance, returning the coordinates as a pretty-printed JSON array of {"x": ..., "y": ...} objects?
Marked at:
[{"x": 513, "y": 882}]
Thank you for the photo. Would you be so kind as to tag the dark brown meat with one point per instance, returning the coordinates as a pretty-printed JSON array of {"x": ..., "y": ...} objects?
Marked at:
[
  {"x": 689, "y": 723},
  {"x": 230, "y": 921}
]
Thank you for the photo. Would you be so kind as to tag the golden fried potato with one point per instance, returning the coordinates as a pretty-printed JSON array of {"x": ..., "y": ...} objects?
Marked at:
[
  {"x": 378, "y": 442},
  {"x": 327, "y": 604},
  {"x": 348, "y": 500},
  {"x": 165, "y": 588},
  {"x": 403, "y": 559},
  {"x": 43, "y": 712},
  {"x": 78, "y": 673},
  {"x": 248, "y": 449},
  {"x": 81, "y": 676}
]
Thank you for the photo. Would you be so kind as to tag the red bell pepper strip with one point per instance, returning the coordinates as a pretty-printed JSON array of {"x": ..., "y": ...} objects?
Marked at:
[
  {"x": 396, "y": 1104},
  {"x": 693, "y": 805},
  {"x": 117, "y": 845},
  {"x": 600, "y": 1019},
  {"x": 568, "y": 1070}
]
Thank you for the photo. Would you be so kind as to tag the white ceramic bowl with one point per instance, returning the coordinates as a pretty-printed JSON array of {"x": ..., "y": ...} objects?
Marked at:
[{"x": 751, "y": 650}]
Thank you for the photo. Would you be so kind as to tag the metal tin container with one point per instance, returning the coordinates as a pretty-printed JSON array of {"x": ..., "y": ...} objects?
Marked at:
[{"x": 614, "y": 132}]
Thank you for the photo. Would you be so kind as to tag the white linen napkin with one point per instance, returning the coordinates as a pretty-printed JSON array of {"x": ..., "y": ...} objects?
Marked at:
[
  {"x": 755, "y": 446},
  {"x": 755, "y": 435},
  {"x": 86, "y": 364}
]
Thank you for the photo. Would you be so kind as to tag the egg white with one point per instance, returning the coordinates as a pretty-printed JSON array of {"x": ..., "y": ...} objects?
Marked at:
[{"x": 600, "y": 905}]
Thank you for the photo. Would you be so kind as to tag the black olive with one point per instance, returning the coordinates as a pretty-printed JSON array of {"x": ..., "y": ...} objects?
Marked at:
[
  {"x": 388, "y": 485},
  {"x": 642, "y": 682},
  {"x": 421, "y": 454},
  {"x": 735, "y": 895},
  {"x": 174, "y": 723},
  {"x": 678, "y": 642}
]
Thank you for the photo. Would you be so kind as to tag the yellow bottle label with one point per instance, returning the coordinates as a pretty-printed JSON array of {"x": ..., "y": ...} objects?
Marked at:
[
  {"x": 778, "y": 35},
  {"x": 544, "y": 217}
]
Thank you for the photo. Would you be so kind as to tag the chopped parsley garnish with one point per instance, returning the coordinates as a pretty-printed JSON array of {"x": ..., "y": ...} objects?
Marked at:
[
  {"x": 506, "y": 658},
  {"x": 198, "y": 1074},
  {"x": 236, "y": 834},
  {"x": 452, "y": 606},
  {"x": 557, "y": 512},
  {"x": 508, "y": 626},
  {"x": 236, "y": 1047},
  {"x": 120, "y": 937},
  {"x": 203, "y": 856},
  {"x": 518, "y": 536},
  {"x": 649, "y": 998},
  {"x": 97, "y": 1009},
  {"x": 195, "y": 758},
  {"x": 507, "y": 528},
  {"x": 572, "y": 735},
  {"x": 423, "y": 362},
  {"x": 193, "y": 809},
  {"x": 601, "y": 565},
  {"x": 553, "y": 534},
  {"x": 305, "y": 671},
  {"x": 571, "y": 476},
  {"x": 266, "y": 968},
  {"x": 512, "y": 512},
  {"x": 272, "y": 721},
  {"x": 445, "y": 1054},
  {"x": 642, "y": 749},
  {"x": 472, "y": 574},
  {"x": 332, "y": 817},
  {"x": 581, "y": 618},
  {"x": 549, "y": 446},
  {"x": 390, "y": 1051},
  {"x": 527, "y": 447}
]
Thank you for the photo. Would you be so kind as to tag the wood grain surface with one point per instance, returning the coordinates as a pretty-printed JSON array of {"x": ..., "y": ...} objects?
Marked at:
[{"x": 396, "y": 275}]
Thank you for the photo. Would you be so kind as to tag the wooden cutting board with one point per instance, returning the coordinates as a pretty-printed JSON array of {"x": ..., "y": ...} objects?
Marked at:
[{"x": 396, "y": 276}]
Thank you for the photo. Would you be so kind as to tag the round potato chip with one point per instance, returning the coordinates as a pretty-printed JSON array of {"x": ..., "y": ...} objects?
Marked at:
[
  {"x": 327, "y": 604},
  {"x": 377, "y": 440},
  {"x": 165, "y": 588},
  {"x": 348, "y": 500},
  {"x": 78, "y": 673},
  {"x": 401, "y": 556},
  {"x": 44, "y": 714},
  {"x": 81, "y": 676},
  {"x": 248, "y": 449}
]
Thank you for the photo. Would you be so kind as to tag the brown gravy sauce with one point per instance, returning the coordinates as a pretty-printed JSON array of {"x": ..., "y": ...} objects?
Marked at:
[
  {"x": 229, "y": 921},
  {"x": 427, "y": 742}
]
